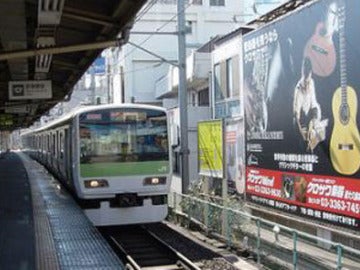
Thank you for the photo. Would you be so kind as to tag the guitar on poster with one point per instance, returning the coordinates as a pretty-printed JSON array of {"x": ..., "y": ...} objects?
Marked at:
[
  {"x": 320, "y": 48},
  {"x": 345, "y": 138}
]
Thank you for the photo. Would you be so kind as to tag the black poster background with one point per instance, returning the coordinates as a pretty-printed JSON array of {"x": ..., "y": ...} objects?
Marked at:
[
  {"x": 269, "y": 87},
  {"x": 293, "y": 33}
]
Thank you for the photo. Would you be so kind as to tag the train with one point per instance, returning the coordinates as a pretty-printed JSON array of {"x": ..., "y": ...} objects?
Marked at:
[{"x": 114, "y": 159}]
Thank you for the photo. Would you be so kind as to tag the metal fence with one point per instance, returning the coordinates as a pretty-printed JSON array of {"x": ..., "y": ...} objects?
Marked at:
[{"x": 263, "y": 238}]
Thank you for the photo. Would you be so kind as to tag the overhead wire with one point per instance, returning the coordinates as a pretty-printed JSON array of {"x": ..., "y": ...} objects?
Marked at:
[
  {"x": 145, "y": 10},
  {"x": 156, "y": 31}
]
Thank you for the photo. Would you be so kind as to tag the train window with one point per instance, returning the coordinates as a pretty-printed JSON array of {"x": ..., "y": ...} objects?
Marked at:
[
  {"x": 48, "y": 143},
  {"x": 57, "y": 143},
  {"x": 123, "y": 136},
  {"x": 61, "y": 148},
  {"x": 53, "y": 151}
]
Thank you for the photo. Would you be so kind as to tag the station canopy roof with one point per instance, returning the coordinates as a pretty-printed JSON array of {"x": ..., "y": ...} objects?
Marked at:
[{"x": 47, "y": 45}]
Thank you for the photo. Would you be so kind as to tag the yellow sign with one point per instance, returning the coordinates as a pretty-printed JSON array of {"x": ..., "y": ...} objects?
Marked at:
[{"x": 210, "y": 144}]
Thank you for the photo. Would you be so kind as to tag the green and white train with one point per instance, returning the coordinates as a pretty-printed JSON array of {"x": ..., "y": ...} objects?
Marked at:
[{"x": 114, "y": 158}]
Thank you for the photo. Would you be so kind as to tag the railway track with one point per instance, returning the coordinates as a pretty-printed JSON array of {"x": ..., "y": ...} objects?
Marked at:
[{"x": 141, "y": 249}]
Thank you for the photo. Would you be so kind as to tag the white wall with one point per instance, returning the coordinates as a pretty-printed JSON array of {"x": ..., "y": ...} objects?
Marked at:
[
  {"x": 195, "y": 114},
  {"x": 206, "y": 21}
]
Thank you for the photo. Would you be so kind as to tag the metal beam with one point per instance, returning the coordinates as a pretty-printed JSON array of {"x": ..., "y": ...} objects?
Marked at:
[
  {"x": 103, "y": 21},
  {"x": 61, "y": 49},
  {"x": 66, "y": 65},
  {"x": 152, "y": 33}
]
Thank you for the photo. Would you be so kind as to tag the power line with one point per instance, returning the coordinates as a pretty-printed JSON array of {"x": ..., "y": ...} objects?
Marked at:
[
  {"x": 145, "y": 10},
  {"x": 157, "y": 30}
]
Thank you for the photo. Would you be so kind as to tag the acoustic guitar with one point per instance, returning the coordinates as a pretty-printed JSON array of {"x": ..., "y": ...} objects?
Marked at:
[
  {"x": 320, "y": 48},
  {"x": 345, "y": 138}
]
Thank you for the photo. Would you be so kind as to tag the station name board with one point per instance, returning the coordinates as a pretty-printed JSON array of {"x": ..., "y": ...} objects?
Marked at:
[{"x": 19, "y": 90}]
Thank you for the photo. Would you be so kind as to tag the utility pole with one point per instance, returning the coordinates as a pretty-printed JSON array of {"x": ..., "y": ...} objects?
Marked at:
[{"x": 182, "y": 92}]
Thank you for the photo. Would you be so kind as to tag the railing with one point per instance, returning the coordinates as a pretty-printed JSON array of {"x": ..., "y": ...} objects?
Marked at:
[{"x": 263, "y": 237}]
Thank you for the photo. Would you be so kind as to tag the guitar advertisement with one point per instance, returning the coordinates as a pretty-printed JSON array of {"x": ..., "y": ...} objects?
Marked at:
[{"x": 301, "y": 86}]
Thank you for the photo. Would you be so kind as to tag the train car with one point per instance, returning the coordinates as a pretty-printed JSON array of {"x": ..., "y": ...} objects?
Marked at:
[{"x": 113, "y": 158}]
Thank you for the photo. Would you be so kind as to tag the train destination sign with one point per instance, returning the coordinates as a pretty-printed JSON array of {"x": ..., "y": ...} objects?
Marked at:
[{"x": 19, "y": 90}]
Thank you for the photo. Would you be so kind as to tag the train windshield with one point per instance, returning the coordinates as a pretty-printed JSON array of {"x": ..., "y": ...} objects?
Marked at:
[{"x": 135, "y": 138}]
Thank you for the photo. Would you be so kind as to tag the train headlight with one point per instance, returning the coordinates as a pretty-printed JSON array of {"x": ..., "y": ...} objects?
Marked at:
[
  {"x": 96, "y": 183},
  {"x": 154, "y": 181}
]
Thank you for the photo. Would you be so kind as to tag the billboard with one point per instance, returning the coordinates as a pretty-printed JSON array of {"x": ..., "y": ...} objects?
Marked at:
[
  {"x": 210, "y": 143},
  {"x": 301, "y": 90}
]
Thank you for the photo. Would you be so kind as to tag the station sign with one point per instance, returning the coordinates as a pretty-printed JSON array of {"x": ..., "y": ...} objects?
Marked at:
[{"x": 20, "y": 90}]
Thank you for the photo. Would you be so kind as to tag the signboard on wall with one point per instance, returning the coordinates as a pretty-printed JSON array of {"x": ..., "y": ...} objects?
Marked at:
[
  {"x": 301, "y": 87},
  {"x": 210, "y": 143},
  {"x": 234, "y": 155},
  {"x": 99, "y": 66},
  {"x": 19, "y": 90}
]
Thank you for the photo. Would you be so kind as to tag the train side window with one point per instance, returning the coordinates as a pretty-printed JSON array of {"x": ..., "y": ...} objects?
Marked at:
[
  {"x": 48, "y": 143},
  {"x": 57, "y": 148},
  {"x": 53, "y": 149},
  {"x": 61, "y": 142}
]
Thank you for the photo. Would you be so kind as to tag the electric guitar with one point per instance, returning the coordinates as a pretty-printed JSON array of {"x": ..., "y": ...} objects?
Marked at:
[
  {"x": 345, "y": 138},
  {"x": 320, "y": 48}
]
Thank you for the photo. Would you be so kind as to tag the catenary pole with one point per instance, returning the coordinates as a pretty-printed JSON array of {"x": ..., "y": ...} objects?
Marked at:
[{"x": 182, "y": 90}]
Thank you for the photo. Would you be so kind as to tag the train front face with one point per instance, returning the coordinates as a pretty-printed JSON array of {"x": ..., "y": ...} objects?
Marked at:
[{"x": 124, "y": 165}]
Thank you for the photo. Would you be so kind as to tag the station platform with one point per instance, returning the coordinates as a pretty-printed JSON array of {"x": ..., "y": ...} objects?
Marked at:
[{"x": 41, "y": 226}]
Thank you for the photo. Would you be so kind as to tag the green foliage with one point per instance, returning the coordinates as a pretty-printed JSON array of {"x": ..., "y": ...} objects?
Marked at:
[{"x": 213, "y": 217}]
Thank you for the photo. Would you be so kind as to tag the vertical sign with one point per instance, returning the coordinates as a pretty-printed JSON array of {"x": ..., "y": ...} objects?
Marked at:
[
  {"x": 234, "y": 155},
  {"x": 210, "y": 143}
]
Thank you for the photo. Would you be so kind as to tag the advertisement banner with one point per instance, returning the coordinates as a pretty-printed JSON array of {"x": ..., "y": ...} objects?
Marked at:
[
  {"x": 301, "y": 90},
  {"x": 210, "y": 143},
  {"x": 234, "y": 153}
]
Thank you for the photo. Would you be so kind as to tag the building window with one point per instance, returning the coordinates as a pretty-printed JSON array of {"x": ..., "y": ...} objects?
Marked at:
[
  {"x": 197, "y": 2},
  {"x": 217, "y": 83},
  {"x": 217, "y": 2},
  {"x": 194, "y": 99},
  {"x": 229, "y": 78},
  {"x": 188, "y": 27},
  {"x": 204, "y": 97},
  {"x": 166, "y": 2}
]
